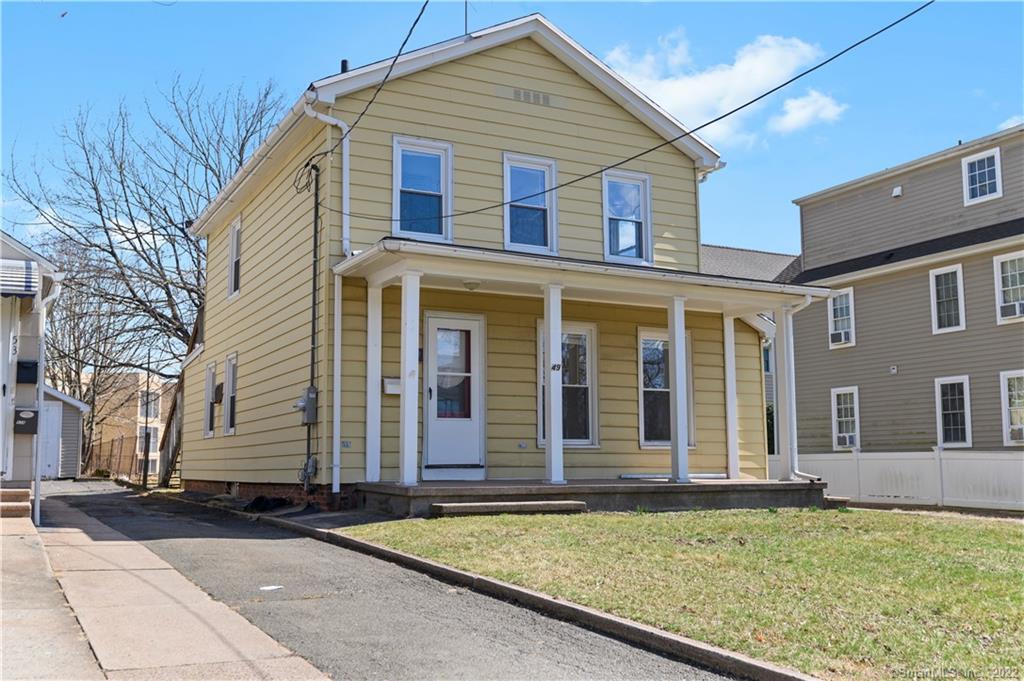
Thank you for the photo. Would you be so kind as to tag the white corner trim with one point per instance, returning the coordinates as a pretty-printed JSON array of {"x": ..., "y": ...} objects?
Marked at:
[
  {"x": 1004, "y": 403},
  {"x": 968, "y": 201},
  {"x": 961, "y": 303},
  {"x": 966, "y": 380}
]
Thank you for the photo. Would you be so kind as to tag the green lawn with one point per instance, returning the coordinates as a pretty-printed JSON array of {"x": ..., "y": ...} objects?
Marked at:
[{"x": 860, "y": 594}]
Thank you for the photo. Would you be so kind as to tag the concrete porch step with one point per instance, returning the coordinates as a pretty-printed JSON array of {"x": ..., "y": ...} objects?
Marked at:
[
  {"x": 451, "y": 510},
  {"x": 15, "y": 494},
  {"x": 15, "y": 509}
]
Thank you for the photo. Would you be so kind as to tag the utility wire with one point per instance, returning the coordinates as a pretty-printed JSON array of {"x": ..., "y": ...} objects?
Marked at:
[
  {"x": 666, "y": 143},
  {"x": 303, "y": 177}
]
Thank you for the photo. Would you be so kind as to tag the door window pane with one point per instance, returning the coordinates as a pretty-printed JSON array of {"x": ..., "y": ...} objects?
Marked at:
[
  {"x": 453, "y": 351},
  {"x": 453, "y": 397},
  {"x": 454, "y": 380}
]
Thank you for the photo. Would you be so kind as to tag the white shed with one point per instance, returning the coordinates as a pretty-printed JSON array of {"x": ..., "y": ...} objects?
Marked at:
[{"x": 60, "y": 434}]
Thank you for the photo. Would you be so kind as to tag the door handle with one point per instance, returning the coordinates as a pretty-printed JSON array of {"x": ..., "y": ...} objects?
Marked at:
[{"x": 430, "y": 392}]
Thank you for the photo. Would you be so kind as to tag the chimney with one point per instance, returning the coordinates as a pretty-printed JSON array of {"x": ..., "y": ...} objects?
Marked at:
[{"x": 344, "y": 65}]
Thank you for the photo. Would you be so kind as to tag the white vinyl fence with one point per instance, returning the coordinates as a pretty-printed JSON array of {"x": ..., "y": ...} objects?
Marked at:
[{"x": 956, "y": 478}]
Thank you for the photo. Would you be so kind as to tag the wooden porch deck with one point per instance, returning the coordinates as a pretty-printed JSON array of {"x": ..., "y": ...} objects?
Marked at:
[{"x": 599, "y": 495}]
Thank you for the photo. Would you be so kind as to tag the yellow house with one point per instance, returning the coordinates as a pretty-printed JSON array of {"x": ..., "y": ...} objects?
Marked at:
[{"x": 490, "y": 278}]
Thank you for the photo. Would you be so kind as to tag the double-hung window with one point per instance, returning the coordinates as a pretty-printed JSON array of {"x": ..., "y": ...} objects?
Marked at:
[
  {"x": 152, "y": 432},
  {"x": 982, "y": 177},
  {"x": 531, "y": 208},
  {"x": 841, "y": 329},
  {"x": 579, "y": 375},
  {"x": 149, "y": 404},
  {"x": 1009, "y": 283},
  {"x": 210, "y": 399},
  {"x": 947, "y": 293},
  {"x": 627, "y": 217},
  {"x": 1011, "y": 398},
  {"x": 655, "y": 386},
  {"x": 230, "y": 390},
  {"x": 953, "y": 411},
  {"x": 845, "y": 418},
  {"x": 422, "y": 189},
  {"x": 235, "y": 257}
]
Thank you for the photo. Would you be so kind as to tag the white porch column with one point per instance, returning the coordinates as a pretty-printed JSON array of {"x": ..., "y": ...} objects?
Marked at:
[
  {"x": 408, "y": 472},
  {"x": 794, "y": 464},
  {"x": 553, "y": 452},
  {"x": 732, "y": 436},
  {"x": 677, "y": 390},
  {"x": 783, "y": 396},
  {"x": 373, "y": 384}
]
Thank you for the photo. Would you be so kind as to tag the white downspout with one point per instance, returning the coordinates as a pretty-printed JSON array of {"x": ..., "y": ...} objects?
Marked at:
[
  {"x": 37, "y": 477},
  {"x": 794, "y": 469},
  {"x": 346, "y": 222}
]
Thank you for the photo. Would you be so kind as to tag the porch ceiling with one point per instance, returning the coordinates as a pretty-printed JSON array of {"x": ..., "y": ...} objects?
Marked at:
[{"x": 518, "y": 274}]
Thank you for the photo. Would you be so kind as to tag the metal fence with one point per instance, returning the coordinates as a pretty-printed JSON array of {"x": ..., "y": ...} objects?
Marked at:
[{"x": 122, "y": 458}]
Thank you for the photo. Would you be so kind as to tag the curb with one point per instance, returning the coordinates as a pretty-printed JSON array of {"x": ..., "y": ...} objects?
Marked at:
[{"x": 641, "y": 635}]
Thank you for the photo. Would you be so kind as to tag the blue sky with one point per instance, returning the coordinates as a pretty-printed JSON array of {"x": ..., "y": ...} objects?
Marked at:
[{"x": 952, "y": 72}]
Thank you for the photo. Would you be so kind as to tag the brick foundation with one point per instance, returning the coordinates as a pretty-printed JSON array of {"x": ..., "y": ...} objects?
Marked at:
[{"x": 321, "y": 495}]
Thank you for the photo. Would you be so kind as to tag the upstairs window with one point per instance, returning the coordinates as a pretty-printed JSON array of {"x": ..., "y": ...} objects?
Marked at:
[
  {"x": 947, "y": 293},
  {"x": 422, "y": 195},
  {"x": 149, "y": 404},
  {"x": 953, "y": 411},
  {"x": 235, "y": 258},
  {"x": 982, "y": 177},
  {"x": 845, "y": 418},
  {"x": 210, "y": 399},
  {"x": 841, "y": 330},
  {"x": 230, "y": 388},
  {"x": 1011, "y": 397},
  {"x": 1009, "y": 284},
  {"x": 152, "y": 432},
  {"x": 531, "y": 213},
  {"x": 627, "y": 217}
]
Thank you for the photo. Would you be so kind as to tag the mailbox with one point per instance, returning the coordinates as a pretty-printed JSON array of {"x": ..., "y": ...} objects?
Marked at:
[
  {"x": 26, "y": 421},
  {"x": 28, "y": 372}
]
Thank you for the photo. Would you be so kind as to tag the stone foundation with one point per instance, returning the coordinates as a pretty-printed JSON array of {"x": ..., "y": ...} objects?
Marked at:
[{"x": 321, "y": 495}]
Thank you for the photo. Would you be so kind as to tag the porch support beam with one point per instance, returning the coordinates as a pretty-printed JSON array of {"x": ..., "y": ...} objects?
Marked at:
[
  {"x": 732, "y": 436},
  {"x": 678, "y": 407},
  {"x": 553, "y": 452},
  {"x": 409, "y": 401},
  {"x": 373, "y": 382},
  {"x": 784, "y": 405}
]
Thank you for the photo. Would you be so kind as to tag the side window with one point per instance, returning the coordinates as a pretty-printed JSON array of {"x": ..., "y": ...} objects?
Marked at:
[
  {"x": 1011, "y": 397},
  {"x": 230, "y": 390},
  {"x": 947, "y": 294},
  {"x": 655, "y": 424},
  {"x": 422, "y": 189},
  {"x": 531, "y": 212},
  {"x": 152, "y": 432},
  {"x": 210, "y": 399},
  {"x": 235, "y": 257},
  {"x": 953, "y": 411},
  {"x": 627, "y": 220},
  {"x": 982, "y": 177},
  {"x": 1008, "y": 271},
  {"x": 845, "y": 418},
  {"x": 841, "y": 329},
  {"x": 579, "y": 377}
]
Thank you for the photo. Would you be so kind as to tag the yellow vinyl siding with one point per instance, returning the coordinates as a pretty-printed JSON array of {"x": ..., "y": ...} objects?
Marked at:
[
  {"x": 511, "y": 388},
  {"x": 469, "y": 103}
]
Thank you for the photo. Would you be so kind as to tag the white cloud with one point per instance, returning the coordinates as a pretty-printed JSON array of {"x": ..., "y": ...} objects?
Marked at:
[
  {"x": 694, "y": 96},
  {"x": 801, "y": 112},
  {"x": 1011, "y": 121}
]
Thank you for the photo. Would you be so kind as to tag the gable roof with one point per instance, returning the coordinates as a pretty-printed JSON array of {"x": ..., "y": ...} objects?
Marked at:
[
  {"x": 66, "y": 399},
  {"x": 546, "y": 34},
  {"x": 743, "y": 262},
  {"x": 12, "y": 246}
]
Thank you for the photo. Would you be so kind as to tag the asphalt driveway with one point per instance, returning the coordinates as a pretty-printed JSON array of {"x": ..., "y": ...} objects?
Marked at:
[{"x": 354, "y": 616}]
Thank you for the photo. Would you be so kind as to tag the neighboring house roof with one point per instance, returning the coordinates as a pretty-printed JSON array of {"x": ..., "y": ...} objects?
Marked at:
[
  {"x": 1011, "y": 229},
  {"x": 960, "y": 149},
  {"x": 534, "y": 26},
  {"x": 13, "y": 247},
  {"x": 66, "y": 399},
  {"x": 744, "y": 263}
]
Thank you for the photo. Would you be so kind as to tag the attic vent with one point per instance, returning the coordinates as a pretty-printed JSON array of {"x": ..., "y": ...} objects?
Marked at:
[{"x": 531, "y": 97}]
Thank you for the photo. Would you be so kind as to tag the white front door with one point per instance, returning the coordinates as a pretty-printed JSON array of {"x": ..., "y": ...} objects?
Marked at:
[
  {"x": 49, "y": 438},
  {"x": 453, "y": 439}
]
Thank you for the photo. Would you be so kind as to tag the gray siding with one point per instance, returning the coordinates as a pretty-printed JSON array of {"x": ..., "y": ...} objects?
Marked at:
[
  {"x": 893, "y": 326},
  {"x": 866, "y": 219}
]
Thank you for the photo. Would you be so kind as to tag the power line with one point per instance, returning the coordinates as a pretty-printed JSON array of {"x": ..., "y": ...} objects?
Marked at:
[
  {"x": 303, "y": 176},
  {"x": 666, "y": 143}
]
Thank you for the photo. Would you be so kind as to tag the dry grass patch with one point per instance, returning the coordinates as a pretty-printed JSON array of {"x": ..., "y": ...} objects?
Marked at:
[{"x": 859, "y": 594}]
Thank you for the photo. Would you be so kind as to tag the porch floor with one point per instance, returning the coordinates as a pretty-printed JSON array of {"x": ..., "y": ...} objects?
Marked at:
[{"x": 598, "y": 494}]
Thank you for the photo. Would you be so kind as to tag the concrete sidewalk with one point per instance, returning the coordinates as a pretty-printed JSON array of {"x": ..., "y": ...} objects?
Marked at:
[{"x": 142, "y": 618}]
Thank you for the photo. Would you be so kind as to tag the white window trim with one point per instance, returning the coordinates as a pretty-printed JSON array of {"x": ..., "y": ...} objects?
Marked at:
[
  {"x": 646, "y": 207},
  {"x": 234, "y": 254},
  {"x": 998, "y": 283},
  {"x": 968, "y": 201},
  {"x": 958, "y": 268},
  {"x": 691, "y": 424},
  {"x": 400, "y": 142},
  {"x": 154, "y": 441},
  {"x": 853, "y": 319},
  {"x": 142, "y": 414},
  {"x": 966, "y": 380},
  {"x": 1004, "y": 403},
  {"x": 210, "y": 388},
  {"x": 590, "y": 329},
  {"x": 856, "y": 417},
  {"x": 550, "y": 168},
  {"x": 230, "y": 388}
]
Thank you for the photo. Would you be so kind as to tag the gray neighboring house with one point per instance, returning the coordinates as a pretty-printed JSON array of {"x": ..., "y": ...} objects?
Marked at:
[{"x": 919, "y": 350}]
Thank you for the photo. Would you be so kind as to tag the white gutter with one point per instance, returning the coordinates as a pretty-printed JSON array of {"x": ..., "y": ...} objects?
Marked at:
[
  {"x": 390, "y": 246},
  {"x": 794, "y": 471},
  {"x": 37, "y": 478},
  {"x": 336, "y": 399},
  {"x": 346, "y": 226}
]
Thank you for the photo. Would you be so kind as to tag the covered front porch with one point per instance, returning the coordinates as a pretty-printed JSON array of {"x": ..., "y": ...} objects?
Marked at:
[{"x": 659, "y": 382}]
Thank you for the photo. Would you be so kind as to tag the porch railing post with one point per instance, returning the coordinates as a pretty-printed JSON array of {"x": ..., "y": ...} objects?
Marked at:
[
  {"x": 409, "y": 400},
  {"x": 732, "y": 439},
  {"x": 373, "y": 385},
  {"x": 553, "y": 452},
  {"x": 678, "y": 405}
]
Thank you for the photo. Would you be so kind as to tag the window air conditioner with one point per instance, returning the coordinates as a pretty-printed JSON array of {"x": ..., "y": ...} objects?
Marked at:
[
  {"x": 1011, "y": 310},
  {"x": 838, "y": 337}
]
